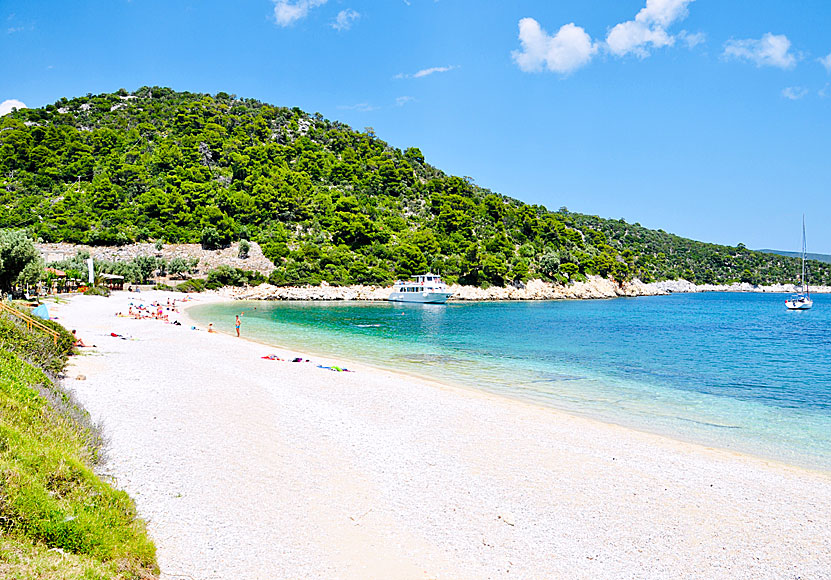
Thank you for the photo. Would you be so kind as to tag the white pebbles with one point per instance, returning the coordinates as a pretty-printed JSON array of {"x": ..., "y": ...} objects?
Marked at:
[{"x": 252, "y": 468}]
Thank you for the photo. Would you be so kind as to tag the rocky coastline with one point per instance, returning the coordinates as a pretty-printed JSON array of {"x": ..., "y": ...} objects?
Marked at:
[{"x": 595, "y": 288}]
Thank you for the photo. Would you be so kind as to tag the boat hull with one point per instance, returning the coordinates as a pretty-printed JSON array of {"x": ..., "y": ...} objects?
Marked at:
[
  {"x": 799, "y": 304},
  {"x": 420, "y": 297}
]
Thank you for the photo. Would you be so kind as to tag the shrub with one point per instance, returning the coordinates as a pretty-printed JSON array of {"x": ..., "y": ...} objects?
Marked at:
[
  {"x": 211, "y": 239},
  {"x": 227, "y": 276},
  {"x": 194, "y": 285},
  {"x": 244, "y": 248},
  {"x": 97, "y": 291}
]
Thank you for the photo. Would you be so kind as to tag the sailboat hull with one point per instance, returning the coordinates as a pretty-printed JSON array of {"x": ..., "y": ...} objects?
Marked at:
[{"x": 799, "y": 304}]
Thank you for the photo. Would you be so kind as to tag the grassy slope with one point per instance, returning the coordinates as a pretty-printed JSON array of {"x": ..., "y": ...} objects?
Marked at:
[{"x": 57, "y": 518}]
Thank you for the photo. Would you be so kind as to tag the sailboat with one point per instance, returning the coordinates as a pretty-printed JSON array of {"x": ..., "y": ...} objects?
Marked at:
[{"x": 802, "y": 300}]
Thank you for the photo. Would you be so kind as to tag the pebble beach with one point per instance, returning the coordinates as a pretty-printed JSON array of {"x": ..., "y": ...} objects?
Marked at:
[{"x": 248, "y": 467}]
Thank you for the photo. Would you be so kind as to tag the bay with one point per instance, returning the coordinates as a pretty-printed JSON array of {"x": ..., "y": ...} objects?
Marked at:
[{"x": 730, "y": 370}]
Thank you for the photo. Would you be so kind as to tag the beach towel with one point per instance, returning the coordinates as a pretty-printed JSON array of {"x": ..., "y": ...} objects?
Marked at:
[{"x": 336, "y": 369}]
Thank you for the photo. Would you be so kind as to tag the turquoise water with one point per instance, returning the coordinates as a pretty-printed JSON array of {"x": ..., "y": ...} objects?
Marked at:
[{"x": 736, "y": 371}]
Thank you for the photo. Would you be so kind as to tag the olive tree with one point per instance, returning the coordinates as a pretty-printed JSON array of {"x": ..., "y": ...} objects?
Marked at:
[{"x": 20, "y": 261}]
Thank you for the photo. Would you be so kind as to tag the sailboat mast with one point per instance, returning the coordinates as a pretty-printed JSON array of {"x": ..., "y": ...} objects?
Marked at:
[{"x": 804, "y": 255}]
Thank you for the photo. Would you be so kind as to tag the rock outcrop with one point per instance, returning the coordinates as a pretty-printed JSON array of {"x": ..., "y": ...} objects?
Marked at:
[
  {"x": 671, "y": 286},
  {"x": 208, "y": 259}
]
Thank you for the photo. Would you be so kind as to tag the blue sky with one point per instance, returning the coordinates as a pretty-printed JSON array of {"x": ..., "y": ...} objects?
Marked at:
[{"x": 709, "y": 119}]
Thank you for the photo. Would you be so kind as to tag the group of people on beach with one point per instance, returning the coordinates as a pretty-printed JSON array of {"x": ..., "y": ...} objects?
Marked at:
[{"x": 156, "y": 310}]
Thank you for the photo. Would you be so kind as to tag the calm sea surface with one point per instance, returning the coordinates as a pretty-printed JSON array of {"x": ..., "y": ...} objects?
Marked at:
[{"x": 737, "y": 371}]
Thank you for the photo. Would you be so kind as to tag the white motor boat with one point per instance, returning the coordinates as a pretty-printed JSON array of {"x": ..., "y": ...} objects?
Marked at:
[
  {"x": 802, "y": 300},
  {"x": 426, "y": 289}
]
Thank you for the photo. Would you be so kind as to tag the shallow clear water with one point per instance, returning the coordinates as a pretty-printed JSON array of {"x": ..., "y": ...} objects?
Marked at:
[{"x": 731, "y": 370}]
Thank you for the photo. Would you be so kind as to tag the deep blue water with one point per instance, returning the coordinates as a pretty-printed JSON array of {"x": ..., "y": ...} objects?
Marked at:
[{"x": 731, "y": 370}]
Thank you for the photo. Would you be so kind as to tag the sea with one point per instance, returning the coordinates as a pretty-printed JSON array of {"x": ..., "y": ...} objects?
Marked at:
[{"x": 736, "y": 371}]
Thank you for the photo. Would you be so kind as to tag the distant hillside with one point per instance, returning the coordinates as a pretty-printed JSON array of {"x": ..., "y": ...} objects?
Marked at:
[
  {"x": 818, "y": 257},
  {"x": 325, "y": 202}
]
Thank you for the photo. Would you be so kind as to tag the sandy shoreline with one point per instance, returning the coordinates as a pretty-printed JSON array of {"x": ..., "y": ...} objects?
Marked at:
[{"x": 250, "y": 468}]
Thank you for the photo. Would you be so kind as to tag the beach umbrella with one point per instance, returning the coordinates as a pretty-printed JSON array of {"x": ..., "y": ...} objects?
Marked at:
[{"x": 41, "y": 312}]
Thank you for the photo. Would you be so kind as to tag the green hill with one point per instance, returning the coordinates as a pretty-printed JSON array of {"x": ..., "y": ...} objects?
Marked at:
[{"x": 324, "y": 201}]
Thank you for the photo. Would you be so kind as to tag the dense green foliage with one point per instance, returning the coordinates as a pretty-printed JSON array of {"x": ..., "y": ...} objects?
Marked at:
[
  {"x": 20, "y": 262},
  {"x": 325, "y": 202},
  {"x": 57, "y": 518}
]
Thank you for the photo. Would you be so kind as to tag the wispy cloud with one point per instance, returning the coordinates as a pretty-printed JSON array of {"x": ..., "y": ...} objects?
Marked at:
[
  {"x": 13, "y": 29},
  {"x": 401, "y": 101},
  {"x": 770, "y": 50},
  {"x": 692, "y": 39},
  {"x": 9, "y": 104},
  {"x": 426, "y": 72},
  {"x": 345, "y": 19},
  {"x": 362, "y": 107},
  {"x": 564, "y": 52},
  {"x": 794, "y": 93},
  {"x": 826, "y": 62},
  {"x": 649, "y": 28},
  {"x": 287, "y": 12}
]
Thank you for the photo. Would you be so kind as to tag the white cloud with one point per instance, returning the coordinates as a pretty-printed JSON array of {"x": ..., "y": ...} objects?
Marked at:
[
  {"x": 692, "y": 39},
  {"x": 564, "y": 52},
  {"x": 826, "y": 62},
  {"x": 9, "y": 104},
  {"x": 794, "y": 93},
  {"x": 287, "y": 12},
  {"x": 401, "y": 101},
  {"x": 426, "y": 72},
  {"x": 571, "y": 47},
  {"x": 823, "y": 92},
  {"x": 770, "y": 50},
  {"x": 648, "y": 28},
  {"x": 345, "y": 19}
]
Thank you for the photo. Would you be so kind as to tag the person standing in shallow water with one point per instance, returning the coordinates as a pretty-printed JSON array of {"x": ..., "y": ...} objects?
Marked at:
[{"x": 237, "y": 324}]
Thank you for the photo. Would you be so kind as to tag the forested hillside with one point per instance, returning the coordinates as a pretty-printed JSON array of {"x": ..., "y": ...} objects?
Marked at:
[{"x": 325, "y": 202}]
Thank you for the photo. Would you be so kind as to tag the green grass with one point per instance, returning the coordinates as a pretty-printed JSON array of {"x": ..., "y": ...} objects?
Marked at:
[
  {"x": 35, "y": 347},
  {"x": 58, "y": 519}
]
